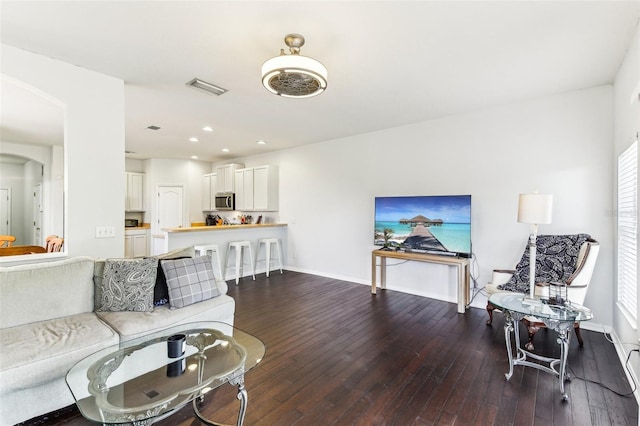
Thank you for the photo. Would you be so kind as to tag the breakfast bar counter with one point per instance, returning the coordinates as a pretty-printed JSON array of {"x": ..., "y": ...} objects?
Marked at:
[
  {"x": 221, "y": 235},
  {"x": 222, "y": 227}
]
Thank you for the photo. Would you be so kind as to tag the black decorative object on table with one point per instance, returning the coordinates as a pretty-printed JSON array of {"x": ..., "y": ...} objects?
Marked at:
[{"x": 175, "y": 345}]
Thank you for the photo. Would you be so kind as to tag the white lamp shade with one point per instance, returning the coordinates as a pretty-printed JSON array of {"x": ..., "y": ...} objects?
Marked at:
[{"x": 535, "y": 208}]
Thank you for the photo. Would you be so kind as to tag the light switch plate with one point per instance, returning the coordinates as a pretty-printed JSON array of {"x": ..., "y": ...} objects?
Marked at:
[{"x": 105, "y": 231}]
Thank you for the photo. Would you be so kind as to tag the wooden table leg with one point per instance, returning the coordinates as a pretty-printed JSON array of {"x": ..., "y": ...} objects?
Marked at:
[{"x": 373, "y": 273}]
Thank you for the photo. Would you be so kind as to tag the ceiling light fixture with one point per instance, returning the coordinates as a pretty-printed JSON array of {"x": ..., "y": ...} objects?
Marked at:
[
  {"x": 225, "y": 149},
  {"x": 193, "y": 140},
  {"x": 202, "y": 85},
  {"x": 294, "y": 75},
  {"x": 207, "y": 129},
  {"x": 261, "y": 142}
]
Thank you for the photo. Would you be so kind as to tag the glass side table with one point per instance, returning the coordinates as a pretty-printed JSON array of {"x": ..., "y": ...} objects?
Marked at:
[
  {"x": 559, "y": 318},
  {"x": 147, "y": 379}
]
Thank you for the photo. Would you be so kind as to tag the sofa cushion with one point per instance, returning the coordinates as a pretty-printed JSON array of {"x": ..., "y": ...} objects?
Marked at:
[
  {"x": 128, "y": 284},
  {"x": 190, "y": 280},
  {"x": 65, "y": 287},
  {"x": 38, "y": 353},
  {"x": 131, "y": 325},
  {"x": 556, "y": 260}
]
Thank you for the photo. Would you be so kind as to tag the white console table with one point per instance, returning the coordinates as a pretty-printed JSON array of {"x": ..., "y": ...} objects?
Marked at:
[{"x": 462, "y": 265}]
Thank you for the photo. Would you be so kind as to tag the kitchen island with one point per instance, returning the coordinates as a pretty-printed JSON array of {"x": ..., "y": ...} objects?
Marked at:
[{"x": 222, "y": 235}]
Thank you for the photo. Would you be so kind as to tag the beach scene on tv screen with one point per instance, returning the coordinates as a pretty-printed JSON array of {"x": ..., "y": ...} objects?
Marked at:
[{"x": 429, "y": 223}]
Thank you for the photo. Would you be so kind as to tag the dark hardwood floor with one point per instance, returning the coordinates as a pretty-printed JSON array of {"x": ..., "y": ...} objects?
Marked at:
[{"x": 336, "y": 355}]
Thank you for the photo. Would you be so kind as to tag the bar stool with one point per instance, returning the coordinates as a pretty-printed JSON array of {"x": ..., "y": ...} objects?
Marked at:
[
  {"x": 267, "y": 256},
  {"x": 238, "y": 246},
  {"x": 203, "y": 249}
]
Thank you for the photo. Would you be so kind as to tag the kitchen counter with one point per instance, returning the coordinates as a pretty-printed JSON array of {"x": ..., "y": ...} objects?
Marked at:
[
  {"x": 144, "y": 226},
  {"x": 223, "y": 227},
  {"x": 178, "y": 238}
]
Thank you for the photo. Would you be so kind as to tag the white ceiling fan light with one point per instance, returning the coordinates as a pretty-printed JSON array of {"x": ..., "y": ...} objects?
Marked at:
[{"x": 293, "y": 75}]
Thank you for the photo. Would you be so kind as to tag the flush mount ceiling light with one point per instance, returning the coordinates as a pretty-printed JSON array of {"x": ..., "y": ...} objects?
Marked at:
[
  {"x": 293, "y": 75},
  {"x": 196, "y": 83}
]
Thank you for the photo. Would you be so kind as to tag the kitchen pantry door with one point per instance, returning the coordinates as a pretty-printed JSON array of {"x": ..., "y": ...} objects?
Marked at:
[{"x": 170, "y": 206}]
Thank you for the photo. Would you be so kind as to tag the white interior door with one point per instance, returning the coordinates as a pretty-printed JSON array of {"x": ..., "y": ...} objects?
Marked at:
[
  {"x": 37, "y": 215},
  {"x": 5, "y": 204},
  {"x": 170, "y": 206}
]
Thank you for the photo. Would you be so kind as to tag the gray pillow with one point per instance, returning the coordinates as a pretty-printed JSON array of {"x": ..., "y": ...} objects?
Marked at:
[
  {"x": 127, "y": 285},
  {"x": 189, "y": 280}
]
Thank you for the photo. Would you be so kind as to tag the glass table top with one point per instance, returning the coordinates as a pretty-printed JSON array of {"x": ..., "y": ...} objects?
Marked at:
[
  {"x": 517, "y": 302},
  {"x": 137, "y": 380}
]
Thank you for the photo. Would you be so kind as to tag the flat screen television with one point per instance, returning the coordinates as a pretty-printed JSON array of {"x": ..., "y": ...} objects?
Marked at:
[{"x": 436, "y": 224}]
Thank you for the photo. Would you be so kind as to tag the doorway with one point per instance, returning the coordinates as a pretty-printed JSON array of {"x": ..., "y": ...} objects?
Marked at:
[
  {"x": 5, "y": 208},
  {"x": 170, "y": 206}
]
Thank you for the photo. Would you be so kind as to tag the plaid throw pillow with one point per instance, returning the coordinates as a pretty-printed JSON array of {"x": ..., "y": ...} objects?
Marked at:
[{"x": 189, "y": 280}]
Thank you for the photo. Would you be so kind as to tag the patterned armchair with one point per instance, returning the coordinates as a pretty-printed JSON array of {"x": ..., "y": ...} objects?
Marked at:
[{"x": 567, "y": 259}]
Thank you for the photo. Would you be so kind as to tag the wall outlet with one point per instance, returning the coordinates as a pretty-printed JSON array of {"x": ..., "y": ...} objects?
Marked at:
[{"x": 105, "y": 231}]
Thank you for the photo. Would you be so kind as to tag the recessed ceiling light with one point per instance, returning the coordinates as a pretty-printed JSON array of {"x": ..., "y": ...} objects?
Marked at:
[
  {"x": 225, "y": 149},
  {"x": 261, "y": 142},
  {"x": 194, "y": 157},
  {"x": 207, "y": 129},
  {"x": 193, "y": 140}
]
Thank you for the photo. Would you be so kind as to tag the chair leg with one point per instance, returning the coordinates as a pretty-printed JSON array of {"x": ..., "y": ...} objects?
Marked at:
[
  {"x": 490, "y": 309},
  {"x": 576, "y": 328}
]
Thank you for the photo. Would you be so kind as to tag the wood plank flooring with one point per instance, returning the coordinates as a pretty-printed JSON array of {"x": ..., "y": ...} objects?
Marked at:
[{"x": 336, "y": 355}]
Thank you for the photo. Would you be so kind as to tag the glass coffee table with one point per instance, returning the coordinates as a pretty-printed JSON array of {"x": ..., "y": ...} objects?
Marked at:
[
  {"x": 145, "y": 380},
  {"x": 560, "y": 318}
]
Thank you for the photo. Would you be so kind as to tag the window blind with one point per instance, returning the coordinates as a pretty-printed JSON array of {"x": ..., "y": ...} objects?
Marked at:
[{"x": 628, "y": 230}]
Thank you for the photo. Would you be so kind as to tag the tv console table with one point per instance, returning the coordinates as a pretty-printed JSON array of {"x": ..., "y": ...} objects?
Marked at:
[{"x": 462, "y": 264}]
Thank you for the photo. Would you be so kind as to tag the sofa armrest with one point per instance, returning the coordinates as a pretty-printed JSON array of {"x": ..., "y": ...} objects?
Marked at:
[{"x": 501, "y": 276}]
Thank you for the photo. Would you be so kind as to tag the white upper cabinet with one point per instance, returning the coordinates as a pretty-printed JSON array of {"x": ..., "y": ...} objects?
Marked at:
[
  {"x": 244, "y": 189},
  {"x": 265, "y": 188},
  {"x": 257, "y": 189},
  {"x": 225, "y": 177},
  {"x": 134, "y": 184},
  {"x": 209, "y": 189}
]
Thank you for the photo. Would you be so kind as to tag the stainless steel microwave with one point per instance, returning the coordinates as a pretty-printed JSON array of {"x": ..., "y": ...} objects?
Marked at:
[{"x": 226, "y": 201}]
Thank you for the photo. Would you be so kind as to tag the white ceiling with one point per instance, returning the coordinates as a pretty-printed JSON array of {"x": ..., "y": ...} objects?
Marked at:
[{"x": 390, "y": 63}]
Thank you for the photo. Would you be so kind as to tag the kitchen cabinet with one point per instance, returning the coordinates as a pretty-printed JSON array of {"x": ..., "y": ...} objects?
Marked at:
[
  {"x": 257, "y": 189},
  {"x": 136, "y": 243},
  {"x": 265, "y": 188},
  {"x": 209, "y": 189},
  {"x": 134, "y": 184},
  {"x": 225, "y": 177},
  {"x": 244, "y": 189}
]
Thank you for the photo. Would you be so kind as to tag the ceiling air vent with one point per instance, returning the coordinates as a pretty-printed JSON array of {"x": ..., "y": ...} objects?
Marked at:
[
  {"x": 196, "y": 83},
  {"x": 153, "y": 127}
]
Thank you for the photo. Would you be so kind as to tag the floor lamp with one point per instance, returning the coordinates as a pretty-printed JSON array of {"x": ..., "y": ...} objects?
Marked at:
[{"x": 534, "y": 209}]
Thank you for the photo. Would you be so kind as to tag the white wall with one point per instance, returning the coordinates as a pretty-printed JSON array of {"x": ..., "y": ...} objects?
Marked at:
[
  {"x": 627, "y": 126},
  {"x": 559, "y": 145},
  {"x": 94, "y": 146}
]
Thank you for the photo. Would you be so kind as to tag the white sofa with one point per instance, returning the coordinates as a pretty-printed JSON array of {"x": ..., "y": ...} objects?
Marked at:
[{"x": 48, "y": 322}]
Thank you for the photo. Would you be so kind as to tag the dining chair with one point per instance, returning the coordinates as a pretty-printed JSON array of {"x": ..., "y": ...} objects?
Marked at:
[
  {"x": 54, "y": 244},
  {"x": 7, "y": 240}
]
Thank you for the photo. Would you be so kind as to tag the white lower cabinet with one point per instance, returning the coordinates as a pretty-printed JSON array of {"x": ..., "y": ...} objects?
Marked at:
[{"x": 136, "y": 243}]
